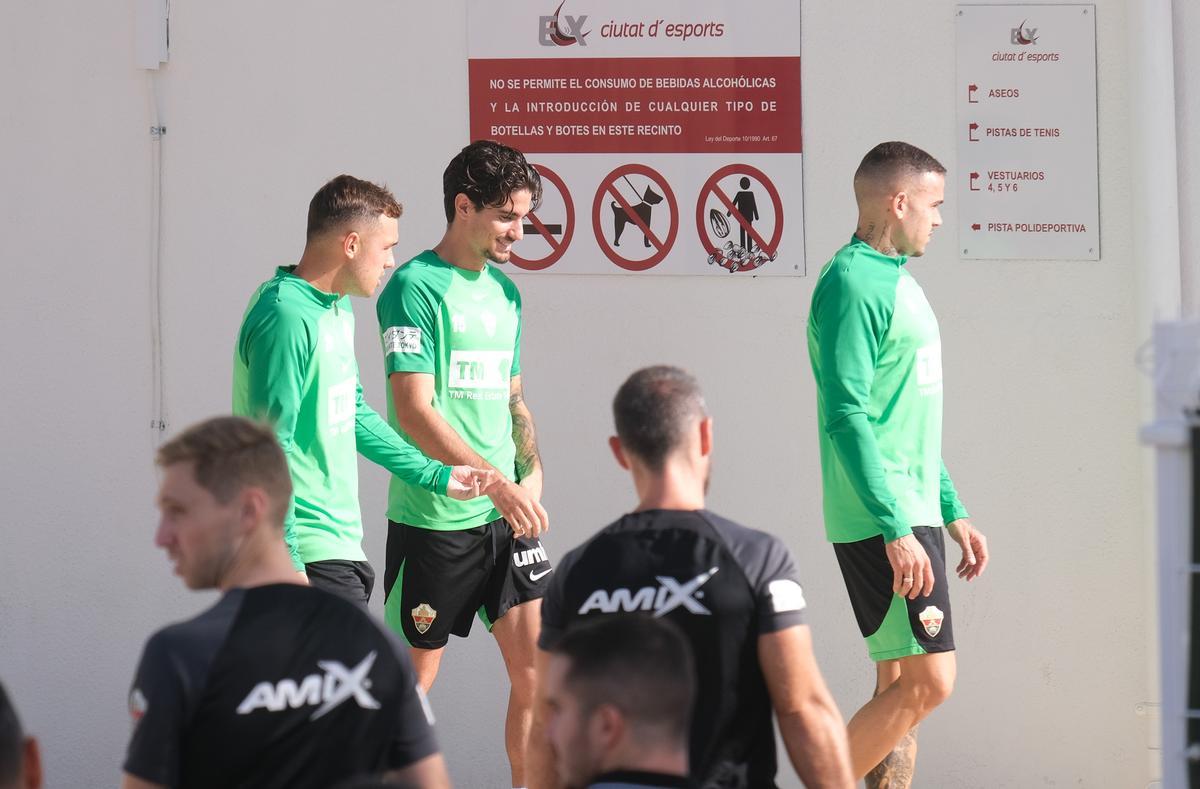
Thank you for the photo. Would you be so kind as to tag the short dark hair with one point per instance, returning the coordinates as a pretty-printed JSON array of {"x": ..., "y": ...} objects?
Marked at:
[
  {"x": 488, "y": 173},
  {"x": 12, "y": 740},
  {"x": 653, "y": 410},
  {"x": 231, "y": 453},
  {"x": 641, "y": 665},
  {"x": 891, "y": 162},
  {"x": 346, "y": 200}
]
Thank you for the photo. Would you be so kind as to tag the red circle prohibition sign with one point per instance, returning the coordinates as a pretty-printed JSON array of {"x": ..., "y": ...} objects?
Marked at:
[
  {"x": 713, "y": 185},
  {"x": 630, "y": 213},
  {"x": 557, "y": 248}
]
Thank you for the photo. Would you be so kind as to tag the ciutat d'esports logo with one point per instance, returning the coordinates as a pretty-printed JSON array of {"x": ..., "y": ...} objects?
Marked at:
[
  {"x": 1024, "y": 36},
  {"x": 562, "y": 31}
]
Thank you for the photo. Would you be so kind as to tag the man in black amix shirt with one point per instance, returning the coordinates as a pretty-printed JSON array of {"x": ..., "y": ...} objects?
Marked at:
[
  {"x": 278, "y": 684},
  {"x": 734, "y": 592}
]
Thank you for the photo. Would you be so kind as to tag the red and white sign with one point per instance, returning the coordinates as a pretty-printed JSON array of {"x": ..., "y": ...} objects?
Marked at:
[
  {"x": 1027, "y": 179},
  {"x": 594, "y": 91},
  {"x": 737, "y": 241},
  {"x": 635, "y": 198},
  {"x": 554, "y": 234}
]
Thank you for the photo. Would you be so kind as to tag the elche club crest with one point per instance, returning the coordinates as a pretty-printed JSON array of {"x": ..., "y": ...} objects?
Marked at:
[
  {"x": 423, "y": 616},
  {"x": 931, "y": 620}
]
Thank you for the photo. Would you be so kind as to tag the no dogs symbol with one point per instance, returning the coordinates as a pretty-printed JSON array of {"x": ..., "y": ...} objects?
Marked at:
[
  {"x": 635, "y": 217},
  {"x": 739, "y": 217}
]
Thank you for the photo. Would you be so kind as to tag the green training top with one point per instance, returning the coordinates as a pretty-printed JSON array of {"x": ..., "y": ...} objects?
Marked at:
[
  {"x": 294, "y": 367},
  {"x": 464, "y": 328},
  {"x": 877, "y": 359}
]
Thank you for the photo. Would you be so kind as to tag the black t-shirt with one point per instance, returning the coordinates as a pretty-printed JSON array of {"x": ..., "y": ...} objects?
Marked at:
[
  {"x": 724, "y": 585},
  {"x": 275, "y": 686}
]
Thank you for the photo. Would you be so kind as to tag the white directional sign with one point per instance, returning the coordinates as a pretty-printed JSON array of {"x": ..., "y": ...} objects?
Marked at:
[{"x": 1027, "y": 181}]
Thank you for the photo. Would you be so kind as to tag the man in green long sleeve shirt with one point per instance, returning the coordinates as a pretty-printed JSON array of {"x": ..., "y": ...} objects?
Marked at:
[
  {"x": 877, "y": 359},
  {"x": 294, "y": 367}
]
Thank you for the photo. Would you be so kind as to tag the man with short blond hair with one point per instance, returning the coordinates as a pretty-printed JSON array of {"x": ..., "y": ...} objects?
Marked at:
[
  {"x": 278, "y": 684},
  {"x": 294, "y": 367}
]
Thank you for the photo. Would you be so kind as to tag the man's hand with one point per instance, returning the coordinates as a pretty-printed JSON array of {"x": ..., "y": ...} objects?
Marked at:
[
  {"x": 468, "y": 482},
  {"x": 913, "y": 574},
  {"x": 974, "y": 548},
  {"x": 520, "y": 508}
]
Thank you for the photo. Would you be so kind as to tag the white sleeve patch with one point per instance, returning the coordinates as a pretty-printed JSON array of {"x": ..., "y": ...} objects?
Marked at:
[
  {"x": 402, "y": 339},
  {"x": 786, "y": 595}
]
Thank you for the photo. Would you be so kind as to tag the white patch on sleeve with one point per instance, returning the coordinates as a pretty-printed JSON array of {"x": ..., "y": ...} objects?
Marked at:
[
  {"x": 402, "y": 339},
  {"x": 786, "y": 595}
]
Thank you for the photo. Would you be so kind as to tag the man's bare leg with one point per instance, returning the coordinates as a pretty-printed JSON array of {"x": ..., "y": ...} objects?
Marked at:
[
  {"x": 516, "y": 634},
  {"x": 426, "y": 663},
  {"x": 897, "y": 768},
  {"x": 924, "y": 682}
]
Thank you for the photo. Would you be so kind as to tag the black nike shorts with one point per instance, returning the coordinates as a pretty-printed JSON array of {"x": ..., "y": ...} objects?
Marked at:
[
  {"x": 436, "y": 582},
  {"x": 894, "y": 626}
]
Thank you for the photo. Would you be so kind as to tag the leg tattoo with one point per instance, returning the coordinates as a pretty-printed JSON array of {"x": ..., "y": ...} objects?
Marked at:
[{"x": 896, "y": 769}]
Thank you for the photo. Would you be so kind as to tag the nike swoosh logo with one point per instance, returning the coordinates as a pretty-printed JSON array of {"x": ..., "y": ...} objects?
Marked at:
[{"x": 542, "y": 574}]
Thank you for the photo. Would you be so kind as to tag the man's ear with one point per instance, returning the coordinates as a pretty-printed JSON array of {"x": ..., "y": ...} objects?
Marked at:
[
  {"x": 899, "y": 204},
  {"x": 606, "y": 726},
  {"x": 706, "y": 436},
  {"x": 351, "y": 244},
  {"x": 462, "y": 206},
  {"x": 254, "y": 506},
  {"x": 614, "y": 443}
]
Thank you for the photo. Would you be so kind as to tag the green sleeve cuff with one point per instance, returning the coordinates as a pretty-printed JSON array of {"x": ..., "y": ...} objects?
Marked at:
[
  {"x": 894, "y": 531},
  {"x": 953, "y": 512},
  {"x": 442, "y": 481}
]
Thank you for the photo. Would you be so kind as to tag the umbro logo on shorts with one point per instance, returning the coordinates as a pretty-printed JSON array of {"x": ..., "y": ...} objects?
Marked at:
[
  {"x": 531, "y": 556},
  {"x": 330, "y": 689},
  {"x": 662, "y": 599}
]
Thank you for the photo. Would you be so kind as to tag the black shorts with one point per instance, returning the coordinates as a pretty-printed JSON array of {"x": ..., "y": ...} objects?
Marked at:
[
  {"x": 894, "y": 626},
  {"x": 351, "y": 580},
  {"x": 435, "y": 582}
]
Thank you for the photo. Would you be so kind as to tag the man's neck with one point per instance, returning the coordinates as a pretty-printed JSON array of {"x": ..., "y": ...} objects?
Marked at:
[
  {"x": 253, "y": 566},
  {"x": 647, "y": 760},
  {"x": 876, "y": 232},
  {"x": 320, "y": 270},
  {"x": 674, "y": 488},
  {"x": 457, "y": 252}
]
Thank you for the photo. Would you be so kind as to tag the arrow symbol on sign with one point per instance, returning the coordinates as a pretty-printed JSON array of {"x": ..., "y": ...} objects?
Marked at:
[
  {"x": 975, "y": 226},
  {"x": 974, "y": 188},
  {"x": 971, "y": 132},
  {"x": 971, "y": 94}
]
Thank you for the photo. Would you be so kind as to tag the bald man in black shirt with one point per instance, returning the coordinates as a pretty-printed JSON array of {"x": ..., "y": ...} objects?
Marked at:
[{"x": 735, "y": 592}]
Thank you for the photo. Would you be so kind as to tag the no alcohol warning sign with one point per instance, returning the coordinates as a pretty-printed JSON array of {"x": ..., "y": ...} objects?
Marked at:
[{"x": 636, "y": 106}]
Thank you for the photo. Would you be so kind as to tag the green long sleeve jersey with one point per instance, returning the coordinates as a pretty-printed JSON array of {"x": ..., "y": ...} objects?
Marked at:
[
  {"x": 294, "y": 367},
  {"x": 876, "y": 356}
]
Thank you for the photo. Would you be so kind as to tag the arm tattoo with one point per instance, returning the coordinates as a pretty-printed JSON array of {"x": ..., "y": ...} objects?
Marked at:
[{"x": 524, "y": 437}]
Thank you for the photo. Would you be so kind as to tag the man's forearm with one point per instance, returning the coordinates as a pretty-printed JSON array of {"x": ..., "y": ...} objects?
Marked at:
[
  {"x": 430, "y": 433},
  {"x": 815, "y": 738},
  {"x": 528, "y": 460}
]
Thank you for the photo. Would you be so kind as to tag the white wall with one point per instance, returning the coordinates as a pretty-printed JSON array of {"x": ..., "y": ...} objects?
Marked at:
[{"x": 264, "y": 101}]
